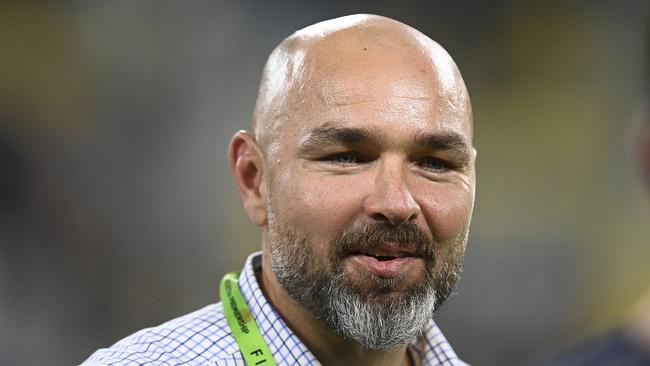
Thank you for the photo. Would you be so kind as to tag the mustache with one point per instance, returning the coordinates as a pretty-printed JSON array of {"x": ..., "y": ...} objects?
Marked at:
[{"x": 408, "y": 236}]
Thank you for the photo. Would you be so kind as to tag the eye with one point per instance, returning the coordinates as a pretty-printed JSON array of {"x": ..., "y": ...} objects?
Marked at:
[
  {"x": 435, "y": 164},
  {"x": 344, "y": 158}
]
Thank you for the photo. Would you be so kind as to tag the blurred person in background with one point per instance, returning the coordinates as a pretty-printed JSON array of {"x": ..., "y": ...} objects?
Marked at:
[
  {"x": 360, "y": 171},
  {"x": 628, "y": 344}
]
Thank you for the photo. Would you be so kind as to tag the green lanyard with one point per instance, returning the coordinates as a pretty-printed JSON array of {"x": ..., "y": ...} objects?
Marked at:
[{"x": 246, "y": 332}]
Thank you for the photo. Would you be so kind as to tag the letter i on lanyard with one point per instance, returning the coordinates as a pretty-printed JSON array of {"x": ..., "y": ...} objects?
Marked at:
[{"x": 246, "y": 332}]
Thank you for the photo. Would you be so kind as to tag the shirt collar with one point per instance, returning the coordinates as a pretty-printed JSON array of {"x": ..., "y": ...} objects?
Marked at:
[{"x": 430, "y": 348}]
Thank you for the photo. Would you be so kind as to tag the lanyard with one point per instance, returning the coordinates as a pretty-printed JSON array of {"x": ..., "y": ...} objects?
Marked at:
[{"x": 246, "y": 332}]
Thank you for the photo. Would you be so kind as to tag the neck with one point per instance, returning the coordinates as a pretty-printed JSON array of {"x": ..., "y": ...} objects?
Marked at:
[{"x": 329, "y": 347}]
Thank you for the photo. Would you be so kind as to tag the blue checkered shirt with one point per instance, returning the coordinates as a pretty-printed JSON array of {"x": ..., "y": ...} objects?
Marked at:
[{"x": 204, "y": 338}]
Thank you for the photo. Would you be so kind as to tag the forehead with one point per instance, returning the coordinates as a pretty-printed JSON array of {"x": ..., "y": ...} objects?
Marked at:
[{"x": 390, "y": 92}]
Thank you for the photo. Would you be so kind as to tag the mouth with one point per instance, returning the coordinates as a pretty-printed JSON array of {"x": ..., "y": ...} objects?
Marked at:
[
  {"x": 386, "y": 260},
  {"x": 383, "y": 256},
  {"x": 387, "y": 251}
]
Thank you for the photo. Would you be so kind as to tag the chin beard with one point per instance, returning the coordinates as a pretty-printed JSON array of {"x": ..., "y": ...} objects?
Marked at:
[
  {"x": 378, "y": 318},
  {"x": 379, "y": 322}
]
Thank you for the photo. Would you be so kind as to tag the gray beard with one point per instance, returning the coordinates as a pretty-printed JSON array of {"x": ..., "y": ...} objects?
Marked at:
[{"x": 378, "y": 319}]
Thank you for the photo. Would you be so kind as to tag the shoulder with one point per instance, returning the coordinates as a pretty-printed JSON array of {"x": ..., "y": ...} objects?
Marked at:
[
  {"x": 199, "y": 338},
  {"x": 611, "y": 348}
]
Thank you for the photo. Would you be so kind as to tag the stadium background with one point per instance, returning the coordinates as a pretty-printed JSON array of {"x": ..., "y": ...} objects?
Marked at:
[{"x": 118, "y": 211}]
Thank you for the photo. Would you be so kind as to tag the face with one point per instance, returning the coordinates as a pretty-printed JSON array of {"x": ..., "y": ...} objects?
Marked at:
[{"x": 371, "y": 192}]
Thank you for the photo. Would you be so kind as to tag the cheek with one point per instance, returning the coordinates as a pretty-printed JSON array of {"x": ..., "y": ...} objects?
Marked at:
[
  {"x": 320, "y": 207},
  {"x": 447, "y": 211}
]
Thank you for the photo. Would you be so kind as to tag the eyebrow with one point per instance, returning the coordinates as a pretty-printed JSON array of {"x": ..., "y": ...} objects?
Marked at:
[
  {"x": 452, "y": 142},
  {"x": 324, "y": 137}
]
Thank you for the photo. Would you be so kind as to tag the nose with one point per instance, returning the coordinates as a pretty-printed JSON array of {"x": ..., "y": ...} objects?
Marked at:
[{"x": 391, "y": 200}]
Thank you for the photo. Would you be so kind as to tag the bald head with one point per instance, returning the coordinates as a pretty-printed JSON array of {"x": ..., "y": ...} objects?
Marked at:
[{"x": 346, "y": 61}]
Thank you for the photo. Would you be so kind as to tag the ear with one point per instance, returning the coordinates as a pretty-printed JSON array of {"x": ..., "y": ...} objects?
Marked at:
[{"x": 247, "y": 164}]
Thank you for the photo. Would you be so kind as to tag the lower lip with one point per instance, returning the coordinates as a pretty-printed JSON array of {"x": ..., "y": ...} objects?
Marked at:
[{"x": 390, "y": 268}]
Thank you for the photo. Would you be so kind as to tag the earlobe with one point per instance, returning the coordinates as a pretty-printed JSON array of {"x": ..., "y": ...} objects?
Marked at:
[{"x": 247, "y": 165}]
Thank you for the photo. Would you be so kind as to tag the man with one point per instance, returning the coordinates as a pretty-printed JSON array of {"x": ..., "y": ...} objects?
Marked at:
[
  {"x": 627, "y": 344},
  {"x": 360, "y": 171}
]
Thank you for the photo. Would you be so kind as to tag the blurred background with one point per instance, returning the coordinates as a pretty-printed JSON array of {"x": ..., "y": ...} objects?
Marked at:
[{"x": 118, "y": 210}]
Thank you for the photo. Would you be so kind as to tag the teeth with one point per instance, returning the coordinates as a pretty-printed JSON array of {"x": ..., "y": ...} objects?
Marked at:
[{"x": 385, "y": 255}]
